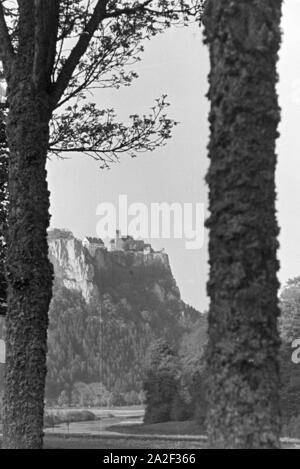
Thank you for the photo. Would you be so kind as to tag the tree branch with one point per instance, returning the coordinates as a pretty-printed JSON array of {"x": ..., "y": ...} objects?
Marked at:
[
  {"x": 46, "y": 28},
  {"x": 26, "y": 27},
  {"x": 78, "y": 51},
  {"x": 7, "y": 53},
  {"x": 100, "y": 13},
  {"x": 96, "y": 133},
  {"x": 128, "y": 11}
]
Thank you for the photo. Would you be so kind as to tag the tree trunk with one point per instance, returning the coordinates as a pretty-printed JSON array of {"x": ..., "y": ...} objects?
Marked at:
[
  {"x": 29, "y": 270},
  {"x": 3, "y": 208},
  {"x": 243, "y": 366}
]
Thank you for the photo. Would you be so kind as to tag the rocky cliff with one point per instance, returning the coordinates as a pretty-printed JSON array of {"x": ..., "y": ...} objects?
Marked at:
[
  {"x": 107, "y": 308},
  {"x": 77, "y": 269},
  {"x": 72, "y": 266}
]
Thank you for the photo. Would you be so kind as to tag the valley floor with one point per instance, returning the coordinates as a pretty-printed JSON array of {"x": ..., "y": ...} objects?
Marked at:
[
  {"x": 77, "y": 442},
  {"x": 122, "y": 428}
]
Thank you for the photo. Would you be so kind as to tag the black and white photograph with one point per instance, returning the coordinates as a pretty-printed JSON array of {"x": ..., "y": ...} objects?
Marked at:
[{"x": 149, "y": 227}]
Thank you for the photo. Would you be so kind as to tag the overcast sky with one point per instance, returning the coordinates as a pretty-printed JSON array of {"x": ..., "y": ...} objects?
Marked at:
[{"x": 177, "y": 64}]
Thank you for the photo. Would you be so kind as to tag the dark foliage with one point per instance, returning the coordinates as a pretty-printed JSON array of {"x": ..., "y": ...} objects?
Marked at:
[
  {"x": 193, "y": 373},
  {"x": 175, "y": 382},
  {"x": 161, "y": 382},
  {"x": 105, "y": 342}
]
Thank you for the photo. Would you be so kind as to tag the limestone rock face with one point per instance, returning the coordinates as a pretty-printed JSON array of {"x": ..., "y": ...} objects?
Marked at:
[
  {"x": 91, "y": 273},
  {"x": 71, "y": 266}
]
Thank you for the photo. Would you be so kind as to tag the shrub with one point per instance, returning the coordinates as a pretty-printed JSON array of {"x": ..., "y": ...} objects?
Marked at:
[
  {"x": 51, "y": 419},
  {"x": 161, "y": 383},
  {"x": 292, "y": 429}
]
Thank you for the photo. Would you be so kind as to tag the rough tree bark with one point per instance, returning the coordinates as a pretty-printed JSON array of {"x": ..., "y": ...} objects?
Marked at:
[
  {"x": 3, "y": 208},
  {"x": 243, "y": 38},
  {"x": 29, "y": 272},
  {"x": 38, "y": 77}
]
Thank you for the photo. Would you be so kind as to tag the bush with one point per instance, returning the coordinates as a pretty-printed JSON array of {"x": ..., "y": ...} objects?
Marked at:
[
  {"x": 175, "y": 386},
  {"x": 181, "y": 408},
  {"x": 292, "y": 429},
  {"x": 80, "y": 416},
  {"x": 157, "y": 413},
  {"x": 161, "y": 383},
  {"x": 51, "y": 419}
]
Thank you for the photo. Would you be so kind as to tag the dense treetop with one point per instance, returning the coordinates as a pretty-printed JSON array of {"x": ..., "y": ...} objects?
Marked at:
[{"x": 83, "y": 45}]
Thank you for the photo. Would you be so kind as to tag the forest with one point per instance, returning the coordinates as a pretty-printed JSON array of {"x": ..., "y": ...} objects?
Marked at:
[{"x": 106, "y": 363}]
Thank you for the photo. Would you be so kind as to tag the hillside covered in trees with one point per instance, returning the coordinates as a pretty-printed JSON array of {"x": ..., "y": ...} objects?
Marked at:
[
  {"x": 176, "y": 381},
  {"x": 107, "y": 308}
]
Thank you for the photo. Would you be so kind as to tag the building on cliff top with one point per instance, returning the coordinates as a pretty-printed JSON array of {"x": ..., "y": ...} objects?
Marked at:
[
  {"x": 92, "y": 244},
  {"x": 119, "y": 243},
  {"x": 128, "y": 243}
]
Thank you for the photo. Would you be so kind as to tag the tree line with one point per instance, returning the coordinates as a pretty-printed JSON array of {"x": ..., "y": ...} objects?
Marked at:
[{"x": 176, "y": 381}]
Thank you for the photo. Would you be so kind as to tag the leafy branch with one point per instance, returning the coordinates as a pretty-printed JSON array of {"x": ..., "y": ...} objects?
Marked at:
[{"x": 96, "y": 132}]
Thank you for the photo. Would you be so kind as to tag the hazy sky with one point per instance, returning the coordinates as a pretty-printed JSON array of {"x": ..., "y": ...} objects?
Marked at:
[{"x": 177, "y": 64}]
